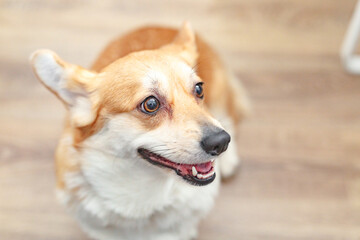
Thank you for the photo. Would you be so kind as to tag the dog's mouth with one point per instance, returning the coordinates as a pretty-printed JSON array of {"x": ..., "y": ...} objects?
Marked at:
[{"x": 198, "y": 174}]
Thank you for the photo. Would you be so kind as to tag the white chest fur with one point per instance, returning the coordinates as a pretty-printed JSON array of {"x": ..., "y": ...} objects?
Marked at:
[{"x": 131, "y": 199}]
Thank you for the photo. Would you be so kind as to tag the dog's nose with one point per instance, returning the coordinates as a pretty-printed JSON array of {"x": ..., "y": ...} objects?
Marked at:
[{"x": 215, "y": 143}]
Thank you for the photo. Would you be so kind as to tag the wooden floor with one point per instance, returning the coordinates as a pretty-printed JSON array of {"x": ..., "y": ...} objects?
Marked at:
[{"x": 300, "y": 176}]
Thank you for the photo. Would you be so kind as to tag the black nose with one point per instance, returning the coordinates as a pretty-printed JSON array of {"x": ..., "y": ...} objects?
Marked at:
[{"x": 215, "y": 142}]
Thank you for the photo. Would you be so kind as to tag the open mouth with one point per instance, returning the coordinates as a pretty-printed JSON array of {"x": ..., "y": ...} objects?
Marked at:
[{"x": 198, "y": 174}]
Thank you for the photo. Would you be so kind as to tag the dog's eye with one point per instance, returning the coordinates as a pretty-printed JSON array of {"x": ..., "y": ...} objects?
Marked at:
[
  {"x": 199, "y": 91},
  {"x": 150, "y": 105}
]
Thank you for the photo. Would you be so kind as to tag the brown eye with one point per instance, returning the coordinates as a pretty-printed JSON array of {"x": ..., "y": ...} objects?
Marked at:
[
  {"x": 199, "y": 91},
  {"x": 150, "y": 105}
]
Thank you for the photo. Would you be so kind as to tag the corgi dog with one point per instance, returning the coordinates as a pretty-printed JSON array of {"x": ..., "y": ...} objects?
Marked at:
[{"x": 147, "y": 134}]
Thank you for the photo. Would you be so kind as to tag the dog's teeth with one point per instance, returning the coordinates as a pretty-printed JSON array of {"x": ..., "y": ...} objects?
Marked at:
[
  {"x": 212, "y": 160},
  {"x": 209, "y": 174},
  {"x": 201, "y": 176},
  {"x": 194, "y": 172}
]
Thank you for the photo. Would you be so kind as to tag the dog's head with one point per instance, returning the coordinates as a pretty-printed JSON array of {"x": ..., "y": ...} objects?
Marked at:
[{"x": 146, "y": 106}]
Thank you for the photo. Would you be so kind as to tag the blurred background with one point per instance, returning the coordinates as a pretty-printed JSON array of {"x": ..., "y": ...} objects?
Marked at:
[{"x": 300, "y": 148}]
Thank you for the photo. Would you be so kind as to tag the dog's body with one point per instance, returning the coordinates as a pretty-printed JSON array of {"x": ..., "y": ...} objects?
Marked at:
[{"x": 138, "y": 104}]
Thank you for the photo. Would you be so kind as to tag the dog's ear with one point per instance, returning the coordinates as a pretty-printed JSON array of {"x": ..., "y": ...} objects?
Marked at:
[
  {"x": 185, "y": 44},
  {"x": 187, "y": 40},
  {"x": 73, "y": 85}
]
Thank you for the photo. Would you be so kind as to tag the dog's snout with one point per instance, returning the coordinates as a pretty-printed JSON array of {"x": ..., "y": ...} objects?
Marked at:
[{"x": 215, "y": 143}]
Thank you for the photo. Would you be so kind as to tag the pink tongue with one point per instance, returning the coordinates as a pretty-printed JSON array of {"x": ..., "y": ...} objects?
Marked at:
[{"x": 203, "y": 167}]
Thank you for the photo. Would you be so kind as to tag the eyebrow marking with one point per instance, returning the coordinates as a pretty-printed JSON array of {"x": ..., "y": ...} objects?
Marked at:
[
  {"x": 156, "y": 78},
  {"x": 195, "y": 68}
]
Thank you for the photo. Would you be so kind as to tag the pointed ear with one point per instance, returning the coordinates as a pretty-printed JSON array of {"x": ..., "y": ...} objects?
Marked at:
[
  {"x": 73, "y": 85},
  {"x": 186, "y": 40}
]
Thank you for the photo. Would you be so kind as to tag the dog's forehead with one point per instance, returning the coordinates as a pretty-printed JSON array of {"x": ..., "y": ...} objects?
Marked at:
[
  {"x": 169, "y": 76},
  {"x": 131, "y": 79}
]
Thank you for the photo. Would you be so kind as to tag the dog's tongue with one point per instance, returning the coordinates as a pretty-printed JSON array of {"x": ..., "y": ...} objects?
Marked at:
[{"x": 203, "y": 167}]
